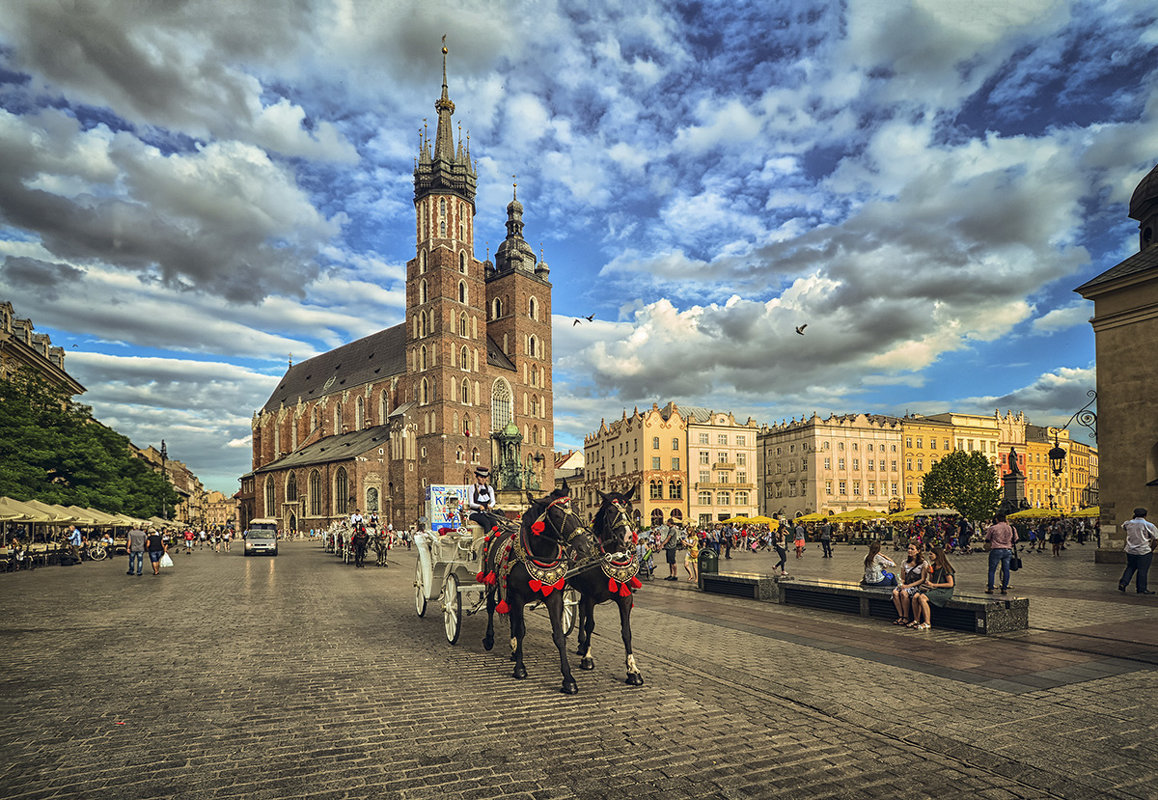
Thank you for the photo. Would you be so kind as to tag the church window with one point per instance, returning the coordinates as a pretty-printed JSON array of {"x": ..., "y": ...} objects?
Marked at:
[
  {"x": 314, "y": 420},
  {"x": 496, "y": 308},
  {"x": 534, "y": 406},
  {"x": 506, "y": 348},
  {"x": 360, "y": 414},
  {"x": 462, "y": 260},
  {"x": 422, "y": 291},
  {"x": 337, "y": 419},
  {"x": 501, "y": 410},
  {"x": 533, "y": 308},
  {"x": 424, "y": 392},
  {"x": 462, "y": 291},
  {"x": 454, "y": 387},
  {"x": 371, "y": 499},
  {"x": 474, "y": 455},
  {"x": 421, "y": 262},
  {"x": 442, "y": 228},
  {"x": 270, "y": 511},
  {"x": 442, "y": 206},
  {"x": 532, "y": 346},
  {"x": 422, "y": 357},
  {"x": 466, "y": 393},
  {"x": 458, "y": 455},
  {"x": 464, "y": 358},
  {"x": 383, "y": 407},
  {"x": 463, "y": 327},
  {"x": 315, "y": 488},
  {"x": 341, "y": 492}
]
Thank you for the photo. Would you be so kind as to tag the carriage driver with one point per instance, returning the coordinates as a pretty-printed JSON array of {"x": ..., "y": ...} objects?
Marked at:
[{"x": 480, "y": 499}]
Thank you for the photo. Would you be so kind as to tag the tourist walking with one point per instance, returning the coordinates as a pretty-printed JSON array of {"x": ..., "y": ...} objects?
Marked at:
[
  {"x": 826, "y": 539},
  {"x": 692, "y": 554},
  {"x": 999, "y": 538},
  {"x": 136, "y": 545},
  {"x": 1140, "y": 538},
  {"x": 781, "y": 549},
  {"x": 75, "y": 540},
  {"x": 800, "y": 540},
  {"x": 155, "y": 546},
  {"x": 669, "y": 540}
]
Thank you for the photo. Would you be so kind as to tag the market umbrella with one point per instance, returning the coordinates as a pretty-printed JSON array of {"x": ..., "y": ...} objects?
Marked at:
[
  {"x": 83, "y": 516},
  {"x": 858, "y": 515},
  {"x": 734, "y": 520},
  {"x": 1092, "y": 511},
  {"x": 813, "y": 517},
  {"x": 936, "y": 512},
  {"x": 14, "y": 510},
  {"x": 762, "y": 520},
  {"x": 56, "y": 514},
  {"x": 1037, "y": 513},
  {"x": 902, "y": 516}
]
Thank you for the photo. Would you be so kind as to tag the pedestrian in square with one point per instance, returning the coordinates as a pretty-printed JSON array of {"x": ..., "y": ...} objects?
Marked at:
[
  {"x": 136, "y": 545},
  {"x": 800, "y": 540},
  {"x": 669, "y": 541},
  {"x": 826, "y": 539},
  {"x": 75, "y": 540},
  {"x": 1140, "y": 538},
  {"x": 155, "y": 546},
  {"x": 1000, "y": 538}
]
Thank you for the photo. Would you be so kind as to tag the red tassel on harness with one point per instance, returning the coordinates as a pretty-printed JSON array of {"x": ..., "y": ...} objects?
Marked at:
[
  {"x": 502, "y": 607},
  {"x": 490, "y": 579},
  {"x": 560, "y": 583},
  {"x": 612, "y": 585},
  {"x": 480, "y": 578},
  {"x": 635, "y": 583},
  {"x": 546, "y": 589},
  {"x": 537, "y": 528},
  {"x": 535, "y": 585},
  {"x": 624, "y": 590}
]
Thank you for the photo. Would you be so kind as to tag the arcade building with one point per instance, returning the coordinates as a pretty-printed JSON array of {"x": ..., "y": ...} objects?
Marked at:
[{"x": 371, "y": 425}]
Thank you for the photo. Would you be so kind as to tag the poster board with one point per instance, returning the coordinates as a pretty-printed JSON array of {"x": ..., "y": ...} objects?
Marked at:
[{"x": 436, "y": 507}]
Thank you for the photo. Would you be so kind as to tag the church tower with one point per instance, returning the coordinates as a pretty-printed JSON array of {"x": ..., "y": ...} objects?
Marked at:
[{"x": 445, "y": 307}]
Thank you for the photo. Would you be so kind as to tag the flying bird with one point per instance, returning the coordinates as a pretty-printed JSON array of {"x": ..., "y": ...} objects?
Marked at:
[
  {"x": 589, "y": 318},
  {"x": 800, "y": 328}
]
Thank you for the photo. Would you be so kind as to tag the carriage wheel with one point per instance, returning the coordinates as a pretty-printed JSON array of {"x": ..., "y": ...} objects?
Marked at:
[
  {"x": 451, "y": 609},
  {"x": 419, "y": 592},
  {"x": 97, "y": 553},
  {"x": 570, "y": 610}
]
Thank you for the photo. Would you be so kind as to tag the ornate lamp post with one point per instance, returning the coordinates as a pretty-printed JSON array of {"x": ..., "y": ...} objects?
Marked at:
[{"x": 1086, "y": 418}]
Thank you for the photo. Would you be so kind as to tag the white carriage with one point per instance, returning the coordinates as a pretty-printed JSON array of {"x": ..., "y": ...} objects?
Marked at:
[{"x": 448, "y": 564}]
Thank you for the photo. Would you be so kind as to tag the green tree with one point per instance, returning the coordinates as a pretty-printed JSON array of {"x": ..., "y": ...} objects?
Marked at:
[
  {"x": 965, "y": 482},
  {"x": 52, "y": 450}
]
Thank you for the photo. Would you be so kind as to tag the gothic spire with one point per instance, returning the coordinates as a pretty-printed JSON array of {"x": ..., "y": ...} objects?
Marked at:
[{"x": 444, "y": 137}]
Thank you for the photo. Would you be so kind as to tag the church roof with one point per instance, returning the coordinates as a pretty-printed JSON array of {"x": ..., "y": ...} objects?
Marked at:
[
  {"x": 372, "y": 358},
  {"x": 1145, "y": 194},
  {"x": 497, "y": 358},
  {"x": 1138, "y": 263},
  {"x": 342, "y": 447}
]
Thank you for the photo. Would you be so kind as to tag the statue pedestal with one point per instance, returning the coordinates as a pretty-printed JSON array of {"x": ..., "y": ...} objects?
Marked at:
[
  {"x": 511, "y": 503},
  {"x": 1014, "y": 497}
]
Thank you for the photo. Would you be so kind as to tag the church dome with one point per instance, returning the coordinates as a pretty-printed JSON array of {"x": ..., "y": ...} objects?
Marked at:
[{"x": 1145, "y": 196}]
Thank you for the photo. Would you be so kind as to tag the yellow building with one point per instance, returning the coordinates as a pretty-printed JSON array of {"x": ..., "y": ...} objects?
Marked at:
[
  {"x": 721, "y": 467},
  {"x": 647, "y": 450},
  {"x": 925, "y": 441}
]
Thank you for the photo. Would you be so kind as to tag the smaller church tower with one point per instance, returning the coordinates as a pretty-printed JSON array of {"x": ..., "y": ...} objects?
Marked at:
[
  {"x": 1144, "y": 208},
  {"x": 519, "y": 314}
]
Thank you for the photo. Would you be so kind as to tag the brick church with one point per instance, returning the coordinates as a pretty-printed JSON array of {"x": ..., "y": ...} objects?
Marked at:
[{"x": 374, "y": 423}]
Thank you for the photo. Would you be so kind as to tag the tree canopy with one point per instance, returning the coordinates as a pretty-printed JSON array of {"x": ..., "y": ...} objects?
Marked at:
[
  {"x": 52, "y": 450},
  {"x": 966, "y": 482}
]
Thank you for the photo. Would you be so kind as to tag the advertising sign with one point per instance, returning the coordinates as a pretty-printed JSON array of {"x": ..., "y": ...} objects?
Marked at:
[{"x": 437, "y": 510}]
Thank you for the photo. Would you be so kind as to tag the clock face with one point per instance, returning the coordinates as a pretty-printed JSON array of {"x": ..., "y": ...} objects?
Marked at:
[{"x": 328, "y": 383}]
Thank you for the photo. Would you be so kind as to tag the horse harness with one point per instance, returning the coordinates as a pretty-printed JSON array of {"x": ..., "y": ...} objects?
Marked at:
[{"x": 546, "y": 575}]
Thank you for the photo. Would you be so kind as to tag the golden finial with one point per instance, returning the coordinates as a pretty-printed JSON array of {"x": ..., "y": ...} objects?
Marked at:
[
  {"x": 444, "y": 50},
  {"x": 515, "y": 185}
]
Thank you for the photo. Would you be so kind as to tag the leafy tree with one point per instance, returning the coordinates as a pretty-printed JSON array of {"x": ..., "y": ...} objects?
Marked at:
[
  {"x": 52, "y": 450},
  {"x": 966, "y": 482}
]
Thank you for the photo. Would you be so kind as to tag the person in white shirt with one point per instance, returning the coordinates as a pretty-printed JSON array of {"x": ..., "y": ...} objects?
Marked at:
[
  {"x": 1140, "y": 538},
  {"x": 355, "y": 519},
  {"x": 480, "y": 501}
]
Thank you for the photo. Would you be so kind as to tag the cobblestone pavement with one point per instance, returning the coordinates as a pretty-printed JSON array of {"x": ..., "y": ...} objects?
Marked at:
[{"x": 298, "y": 676}]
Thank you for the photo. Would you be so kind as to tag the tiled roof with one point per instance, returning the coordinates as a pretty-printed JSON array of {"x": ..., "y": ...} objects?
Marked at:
[
  {"x": 497, "y": 358},
  {"x": 333, "y": 448},
  {"x": 1135, "y": 264},
  {"x": 377, "y": 356}
]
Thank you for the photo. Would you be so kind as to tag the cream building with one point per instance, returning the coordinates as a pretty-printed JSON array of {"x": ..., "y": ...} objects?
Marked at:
[
  {"x": 722, "y": 465},
  {"x": 830, "y": 465},
  {"x": 21, "y": 348}
]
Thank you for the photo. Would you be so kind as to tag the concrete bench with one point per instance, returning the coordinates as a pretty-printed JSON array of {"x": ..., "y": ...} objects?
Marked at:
[
  {"x": 982, "y": 614},
  {"x": 740, "y": 584}
]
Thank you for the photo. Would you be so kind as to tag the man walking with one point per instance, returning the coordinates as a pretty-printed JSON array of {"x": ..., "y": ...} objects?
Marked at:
[
  {"x": 1140, "y": 537},
  {"x": 136, "y": 550},
  {"x": 669, "y": 540},
  {"x": 74, "y": 542},
  {"x": 826, "y": 539},
  {"x": 1000, "y": 538}
]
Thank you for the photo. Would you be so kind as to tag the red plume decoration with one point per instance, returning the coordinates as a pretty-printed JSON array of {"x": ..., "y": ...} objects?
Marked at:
[
  {"x": 624, "y": 590},
  {"x": 535, "y": 585},
  {"x": 635, "y": 583},
  {"x": 502, "y": 607},
  {"x": 612, "y": 585}
]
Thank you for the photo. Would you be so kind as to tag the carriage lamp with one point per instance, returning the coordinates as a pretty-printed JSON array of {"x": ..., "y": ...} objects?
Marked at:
[{"x": 1057, "y": 457}]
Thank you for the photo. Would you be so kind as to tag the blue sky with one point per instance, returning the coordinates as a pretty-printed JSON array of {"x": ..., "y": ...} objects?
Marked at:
[{"x": 190, "y": 193}]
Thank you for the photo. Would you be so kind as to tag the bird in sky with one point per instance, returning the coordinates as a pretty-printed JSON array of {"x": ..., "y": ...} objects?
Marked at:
[
  {"x": 589, "y": 318},
  {"x": 800, "y": 328}
]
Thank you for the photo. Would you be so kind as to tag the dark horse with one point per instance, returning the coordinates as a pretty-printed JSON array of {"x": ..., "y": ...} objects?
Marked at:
[
  {"x": 613, "y": 578},
  {"x": 528, "y": 564}
]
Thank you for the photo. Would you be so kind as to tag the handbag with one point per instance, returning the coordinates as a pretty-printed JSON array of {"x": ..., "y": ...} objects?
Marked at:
[
  {"x": 165, "y": 561},
  {"x": 1015, "y": 561}
]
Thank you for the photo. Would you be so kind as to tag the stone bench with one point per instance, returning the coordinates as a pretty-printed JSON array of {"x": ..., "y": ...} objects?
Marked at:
[
  {"x": 982, "y": 614},
  {"x": 740, "y": 584}
]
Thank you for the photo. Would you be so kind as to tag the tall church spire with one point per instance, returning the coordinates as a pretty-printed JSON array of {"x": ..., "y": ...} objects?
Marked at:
[{"x": 447, "y": 169}]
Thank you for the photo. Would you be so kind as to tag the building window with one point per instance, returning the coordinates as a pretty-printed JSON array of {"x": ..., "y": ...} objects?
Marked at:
[
  {"x": 703, "y": 438},
  {"x": 841, "y": 488},
  {"x": 675, "y": 490},
  {"x": 341, "y": 492},
  {"x": 856, "y": 463},
  {"x": 462, "y": 255},
  {"x": 704, "y": 498},
  {"x": 655, "y": 443},
  {"x": 371, "y": 500},
  {"x": 270, "y": 511},
  {"x": 705, "y": 477},
  {"x": 741, "y": 477},
  {"x": 856, "y": 488},
  {"x": 360, "y": 413},
  {"x": 656, "y": 490},
  {"x": 723, "y": 498},
  {"x": 705, "y": 457},
  {"x": 722, "y": 439},
  {"x": 655, "y": 462},
  {"x": 422, "y": 291},
  {"x": 675, "y": 463},
  {"x": 675, "y": 444},
  {"x": 462, "y": 292},
  {"x": 291, "y": 489},
  {"x": 315, "y": 488},
  {"x": 533, "y": 308},
  {"x": 828, "y": 462},
  {"x": 840, "y": 463},
  {"x": 496, "y": 308},
  {"x": 828, "y": 487}
]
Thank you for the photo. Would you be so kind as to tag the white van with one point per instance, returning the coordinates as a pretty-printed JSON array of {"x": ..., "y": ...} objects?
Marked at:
[{"x": 261, "y": 537}]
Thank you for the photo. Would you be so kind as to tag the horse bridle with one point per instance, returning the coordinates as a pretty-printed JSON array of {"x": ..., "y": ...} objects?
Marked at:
[{"x": 621, "y": 517}]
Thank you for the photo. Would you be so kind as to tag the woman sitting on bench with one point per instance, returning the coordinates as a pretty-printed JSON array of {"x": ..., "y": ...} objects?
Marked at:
[{"x": 937, "y": 590}]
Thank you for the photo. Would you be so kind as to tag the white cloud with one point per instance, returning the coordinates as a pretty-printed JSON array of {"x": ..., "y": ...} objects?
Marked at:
[{"x": 1077, "y": 313}]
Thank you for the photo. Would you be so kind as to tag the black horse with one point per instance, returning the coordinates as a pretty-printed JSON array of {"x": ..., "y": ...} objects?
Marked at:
[
  {"x": 528, "y": 564},
  {"x": 613, "y": 578}
]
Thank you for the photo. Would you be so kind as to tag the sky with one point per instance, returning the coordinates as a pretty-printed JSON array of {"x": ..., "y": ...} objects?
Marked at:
[{"x": 193, "y": 194}]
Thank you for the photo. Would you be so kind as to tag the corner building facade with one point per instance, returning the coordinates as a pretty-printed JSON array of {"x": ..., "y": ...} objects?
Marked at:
[{"x": 372, "y": 424}]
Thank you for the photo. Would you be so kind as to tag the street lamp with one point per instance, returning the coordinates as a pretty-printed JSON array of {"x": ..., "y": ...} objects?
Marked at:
[{"x": 1086, "y": 418}]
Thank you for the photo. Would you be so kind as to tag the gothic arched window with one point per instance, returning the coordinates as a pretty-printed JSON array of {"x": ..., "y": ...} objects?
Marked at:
[
  {"x": 315, "y": 487},
  {"x": 360, "y": 414},
  {"x": 463, "y": 325},
  {"x": 462, "y": 292},
  {"x": 501, "y": 404},
  {"x": 270, "y": 511},
  {"x": 462, "y": 259},
  {"x": 424, "y": 392},
  {"x": 422, "y": 291},
  {"x": 341, "y": 492},
  {"x": 464, "y": 358},
  {"x": 291, "y": 489},
  {"x": 496, "y": 308}
]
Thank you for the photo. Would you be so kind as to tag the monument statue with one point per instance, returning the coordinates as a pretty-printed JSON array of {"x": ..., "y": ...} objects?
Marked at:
[{"x": 1013, "y": 468}]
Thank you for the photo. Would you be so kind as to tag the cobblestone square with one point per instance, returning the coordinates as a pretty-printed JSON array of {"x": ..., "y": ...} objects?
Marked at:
[{"x": 300, "y": 677}]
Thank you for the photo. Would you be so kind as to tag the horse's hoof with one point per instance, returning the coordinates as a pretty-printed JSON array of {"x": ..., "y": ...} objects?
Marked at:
[
  {"x": 587, "y": 663},
  {"x": 634, "y": 679},
  {"x": 570, "y": 687},
  {"x": 488, "y": 643},
  {"x": 520, "y": 672}
]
